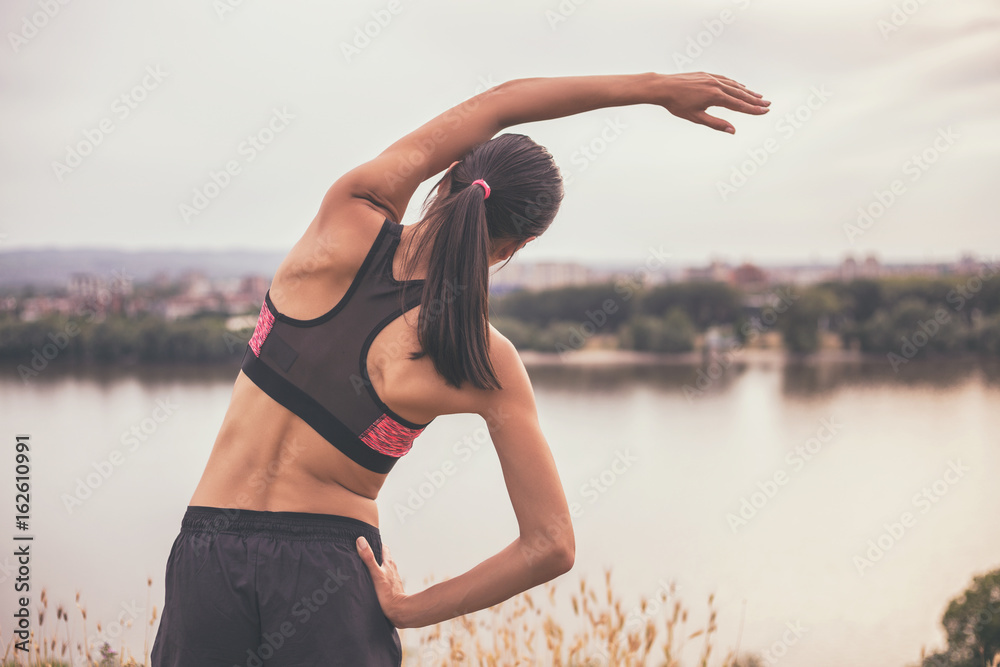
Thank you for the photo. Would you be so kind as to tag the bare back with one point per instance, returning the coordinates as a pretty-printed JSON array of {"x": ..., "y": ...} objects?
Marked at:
[{"x": 267, "y": 458}]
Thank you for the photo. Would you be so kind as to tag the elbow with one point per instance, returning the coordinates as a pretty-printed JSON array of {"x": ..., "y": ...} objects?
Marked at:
[
  {"x": 562, "y": 559},
  {"x": 556, "y": 559}
]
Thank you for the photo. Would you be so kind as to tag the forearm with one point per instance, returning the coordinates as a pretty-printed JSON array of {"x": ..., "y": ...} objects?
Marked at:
[
  {"x": 534, "y": 99},
  {"x": 448, "y": 137},
  {"x": 396, "y": 173},
  {"x": 515, "y": 569}
]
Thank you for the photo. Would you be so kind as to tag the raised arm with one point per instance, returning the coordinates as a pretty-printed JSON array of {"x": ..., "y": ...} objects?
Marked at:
[
  {"x": 389, "y": 180},
  {"x": 545, "y": 545}
]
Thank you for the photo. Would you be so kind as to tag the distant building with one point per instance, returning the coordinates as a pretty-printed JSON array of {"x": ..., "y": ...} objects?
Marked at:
[
  {"x": 195, "y": 284},
  {"x": 542, "y": 275},
  {"x": 34, "y": 308},
  {"x": 749, "y": 277},
  {"x": 850, "y": 269},
  {"x": 86, "y": 286},
  {"x": 716, "y": 272},
  {"x": 254, "y": 286}
]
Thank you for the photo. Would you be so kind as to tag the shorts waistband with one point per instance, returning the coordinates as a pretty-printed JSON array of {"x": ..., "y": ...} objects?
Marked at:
[{"x": 287, "y": 525}]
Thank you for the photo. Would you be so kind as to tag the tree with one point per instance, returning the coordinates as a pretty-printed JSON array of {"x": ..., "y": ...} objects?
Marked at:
[
  {"x": 673, "y": 333},
  {"x": 596, "y": 305},
  {"x": 972, "y": 624},
  {"x": 800, "y": 324},
  {"x": 706, "y": 304}
]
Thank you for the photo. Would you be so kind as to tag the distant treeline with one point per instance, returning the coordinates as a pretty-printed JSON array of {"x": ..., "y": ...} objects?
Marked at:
[
  {"x": 146, "y": 338},
  {"x": 899, "y": 317},
  {"x": 902, "y": 318}
]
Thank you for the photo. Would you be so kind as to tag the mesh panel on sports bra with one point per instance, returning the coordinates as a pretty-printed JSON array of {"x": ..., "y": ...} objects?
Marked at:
[{"x": 317, "y": 368}]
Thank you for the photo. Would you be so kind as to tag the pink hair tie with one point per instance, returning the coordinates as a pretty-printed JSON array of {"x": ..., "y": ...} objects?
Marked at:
[{"x": 481, "y": 182}]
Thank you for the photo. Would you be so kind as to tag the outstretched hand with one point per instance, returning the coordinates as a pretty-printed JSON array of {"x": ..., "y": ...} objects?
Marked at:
[
  {"x": 687, "y": 96},
  {"x": 388, "y": 584}
]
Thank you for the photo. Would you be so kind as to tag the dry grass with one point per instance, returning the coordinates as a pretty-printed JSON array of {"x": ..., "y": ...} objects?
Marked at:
[
  {"x": 523, "y": 631},
  {"x": 62, "y": 647},
  {"x": 520, "y": 631}
]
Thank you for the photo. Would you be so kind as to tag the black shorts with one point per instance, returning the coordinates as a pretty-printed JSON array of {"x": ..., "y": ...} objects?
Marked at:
[{"x": 246, "y": 588}]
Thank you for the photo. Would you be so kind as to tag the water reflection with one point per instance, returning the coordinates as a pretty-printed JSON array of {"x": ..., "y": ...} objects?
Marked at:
[{"x": 799, "y": 377}]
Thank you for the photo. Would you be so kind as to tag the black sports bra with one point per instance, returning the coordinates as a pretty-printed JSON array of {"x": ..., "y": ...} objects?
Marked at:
[{"x": 318, "y": 368}]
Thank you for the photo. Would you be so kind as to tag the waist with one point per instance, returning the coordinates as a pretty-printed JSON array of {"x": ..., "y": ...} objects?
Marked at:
[{"x": 307, "y": 526}]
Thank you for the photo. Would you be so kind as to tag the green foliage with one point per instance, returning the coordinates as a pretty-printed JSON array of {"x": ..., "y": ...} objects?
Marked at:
[
  {"x": 988, "y": 336},
  {"x": 705, "y": 304},
  {"x": 800, "y": 323},
  {"x": 972, "y": 625},
  {"x": 600, "y": 305},
  {"x": 944, "y": 316},
  {"x": 673, "y": 333},
  {"x": 117, "y": 339}
]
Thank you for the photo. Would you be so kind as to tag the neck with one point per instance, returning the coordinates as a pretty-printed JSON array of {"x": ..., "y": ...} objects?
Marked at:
[{"x": 411, "y": 238}]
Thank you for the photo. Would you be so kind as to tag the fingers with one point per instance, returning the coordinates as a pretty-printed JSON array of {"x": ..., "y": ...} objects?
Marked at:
[
  {"x": 727, "y": 80},
  {"x": 746, "y": 96},
  {"x": 753, "y": 106},
  {"x": 711, "y": 121},
  {"x": 367, "y": 555},
  {"x": 737, "y": 84}
]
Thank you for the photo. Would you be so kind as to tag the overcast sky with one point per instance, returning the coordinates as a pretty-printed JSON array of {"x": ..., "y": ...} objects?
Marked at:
[{"x": 859, "y": 87}]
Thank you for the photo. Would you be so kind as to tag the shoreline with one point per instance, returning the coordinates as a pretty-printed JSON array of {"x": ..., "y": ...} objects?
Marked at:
[
  {"x": 745, "y": 356},
  {"x": 585, "y": 358}
]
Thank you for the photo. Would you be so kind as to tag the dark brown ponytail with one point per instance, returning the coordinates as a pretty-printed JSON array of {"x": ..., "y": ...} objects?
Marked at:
[{"x": 462, "y": 227}]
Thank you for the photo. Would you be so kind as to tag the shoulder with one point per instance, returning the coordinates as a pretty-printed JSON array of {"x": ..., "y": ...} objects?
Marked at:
[
  {"x": 504, "y": 357},
  {"x": 515, "y": 386},
  {"x": 337, "y": 240}
]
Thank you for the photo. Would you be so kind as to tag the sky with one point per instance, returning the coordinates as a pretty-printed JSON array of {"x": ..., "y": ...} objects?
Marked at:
[{"x": 884, "y": 135}]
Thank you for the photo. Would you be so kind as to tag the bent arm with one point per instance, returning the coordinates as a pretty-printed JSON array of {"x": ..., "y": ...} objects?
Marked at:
[
  {"x": 545, "y": 545},
  {"x": 390, "y": 179}
]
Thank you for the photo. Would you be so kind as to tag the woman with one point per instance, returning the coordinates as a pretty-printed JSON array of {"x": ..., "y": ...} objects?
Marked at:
[{"x": 369, "y": 331}]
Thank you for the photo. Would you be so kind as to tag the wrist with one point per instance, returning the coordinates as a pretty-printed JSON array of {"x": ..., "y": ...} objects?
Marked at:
[
  {"x": 659, "y": 89},
  {"x": 404, "y": 612}
]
